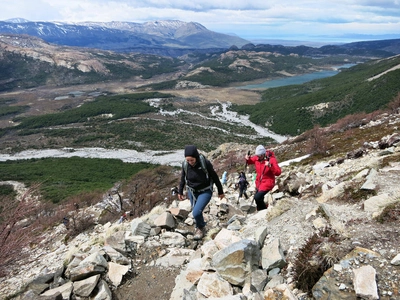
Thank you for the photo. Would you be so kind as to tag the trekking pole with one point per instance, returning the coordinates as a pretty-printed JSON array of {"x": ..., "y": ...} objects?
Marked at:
[
  {"x": 251, "y": 204},
  {"x": 245, "y": 167},
  {"x": 252, "y": 201}
]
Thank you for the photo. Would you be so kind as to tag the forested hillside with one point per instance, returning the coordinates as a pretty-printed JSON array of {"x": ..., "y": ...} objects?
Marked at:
[{"x": 294, "y": 109}]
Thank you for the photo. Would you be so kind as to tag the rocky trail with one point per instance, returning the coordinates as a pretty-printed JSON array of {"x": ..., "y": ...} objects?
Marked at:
[{"x": 314, "y": 223}]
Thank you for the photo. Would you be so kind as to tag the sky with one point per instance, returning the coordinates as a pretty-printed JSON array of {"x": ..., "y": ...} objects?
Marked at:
[{"x": 301, "y": 20}]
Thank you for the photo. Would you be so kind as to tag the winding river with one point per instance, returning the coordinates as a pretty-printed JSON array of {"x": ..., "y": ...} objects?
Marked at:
[{"x": 174, "y": 158}]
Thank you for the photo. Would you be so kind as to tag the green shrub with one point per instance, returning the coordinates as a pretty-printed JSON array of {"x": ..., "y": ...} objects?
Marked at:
[
  {"x": 61, "y": 178},
  {"x": 119, "y": 106}
]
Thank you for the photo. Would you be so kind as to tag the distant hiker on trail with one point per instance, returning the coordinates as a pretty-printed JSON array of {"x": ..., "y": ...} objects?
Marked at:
[
  {"x": 174, "y": 191},
  {"x": 66, "y": 222},
  {"x": 123, "y": 217},
  {"x": 224, "y": 178},
  {"x": 267, "y": 168},
  {"x": 199, "y": 176},
  {"x": 242, "y": 185}
]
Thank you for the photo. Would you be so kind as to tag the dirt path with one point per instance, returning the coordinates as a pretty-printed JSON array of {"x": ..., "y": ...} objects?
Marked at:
[
  {"x": 231, "y": 94},
  {"x": 149, "y": 283}
]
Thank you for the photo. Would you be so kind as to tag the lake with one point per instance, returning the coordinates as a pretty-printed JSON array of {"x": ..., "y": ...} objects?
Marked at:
[{"x": 299, "y": 79}]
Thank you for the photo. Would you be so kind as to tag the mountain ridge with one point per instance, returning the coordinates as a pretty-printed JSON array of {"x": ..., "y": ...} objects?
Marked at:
[
  {"x": 123, "y": 36},
  {"x": 174, "y": 38}
]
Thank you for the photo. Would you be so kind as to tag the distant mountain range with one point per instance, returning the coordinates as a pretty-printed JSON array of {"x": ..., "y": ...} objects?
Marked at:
[
  {"x": 371, "y": 49},
  {"x": 175, "y": 38},
  {"x": 150, "y": 37}
]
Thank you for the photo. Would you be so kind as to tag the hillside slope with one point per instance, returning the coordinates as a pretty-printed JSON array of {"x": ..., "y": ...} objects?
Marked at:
[
  {"x": 29, "y": 62},
  {"x": 364, "y": 88},
  {"x": 342, "y": 194}
]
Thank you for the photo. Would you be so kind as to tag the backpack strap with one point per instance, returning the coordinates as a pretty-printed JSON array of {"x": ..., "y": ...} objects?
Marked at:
[{"x": 203, "y": 164}]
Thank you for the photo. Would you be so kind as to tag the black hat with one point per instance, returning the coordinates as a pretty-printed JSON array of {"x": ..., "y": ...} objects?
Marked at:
[{"x": 191, "y": 150}]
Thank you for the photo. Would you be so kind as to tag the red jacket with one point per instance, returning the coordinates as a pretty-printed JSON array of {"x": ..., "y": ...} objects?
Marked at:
[{"x": 266, "y": 172}]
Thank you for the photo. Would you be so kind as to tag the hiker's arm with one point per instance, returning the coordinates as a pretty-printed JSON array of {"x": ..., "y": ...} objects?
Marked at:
[
  {"x": 181, "y": 184},
  {"x": 250, "y": 160},
  {"x": 215, "y": 178},
  {"x": 276, "y": 170}
]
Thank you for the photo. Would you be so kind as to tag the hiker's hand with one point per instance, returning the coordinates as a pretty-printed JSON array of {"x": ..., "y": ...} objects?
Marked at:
[
  {"x": 222, "y": 196},
  {"x": 246, "y": 157},
  {"x": 181, "y": 197}
]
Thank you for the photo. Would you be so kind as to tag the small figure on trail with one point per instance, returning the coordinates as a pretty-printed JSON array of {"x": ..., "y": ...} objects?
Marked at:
[
  {"x": 267, "y": 168},
  {"x": 122, "y": 218},
  {"x": 174, "y": 191},
  {"x": 224, "y": 178},
  {"x": 242, "y": 185},
  {"x": 199, "y": 176},
  {"x": 65, "y": 221}
]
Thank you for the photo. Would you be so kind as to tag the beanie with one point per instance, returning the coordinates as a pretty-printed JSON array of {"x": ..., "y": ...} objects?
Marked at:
[
  {"x": 191, "y": 150},
  {"x": 260, "y": 150}
]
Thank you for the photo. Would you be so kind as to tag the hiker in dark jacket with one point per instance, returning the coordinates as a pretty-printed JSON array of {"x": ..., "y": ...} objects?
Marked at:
[
  {"x": 199, "y": 184},
  {"x": 242, "y": 185}
]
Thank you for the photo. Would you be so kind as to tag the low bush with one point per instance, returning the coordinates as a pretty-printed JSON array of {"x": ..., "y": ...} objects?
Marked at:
[
  {"x": 390, "y": 214},
  {"x": 354, "y": 194},
  {"x": 19, "y": 229},
  {"x": 319, "y": 253}
]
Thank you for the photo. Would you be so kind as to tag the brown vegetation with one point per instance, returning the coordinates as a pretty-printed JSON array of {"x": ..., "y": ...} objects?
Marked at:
[
  {"x": 347, "y": 134},
  {"x": 390, "y": 214},
  {"x": 23, "y": 221},
  {"x": 395, "y": 104},
  {"x": 19, "y": 228},
  {"x": 145, "y": 190},
  {"x": 316, "y": 256}
]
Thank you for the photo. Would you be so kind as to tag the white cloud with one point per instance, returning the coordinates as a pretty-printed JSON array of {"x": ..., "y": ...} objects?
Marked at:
[{"x": 249, "y": 19}]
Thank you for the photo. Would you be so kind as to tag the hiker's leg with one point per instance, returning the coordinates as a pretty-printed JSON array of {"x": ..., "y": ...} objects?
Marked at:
[
  {"x": 190, "y": 196},
  {"x": 202, "y": 200},
  {"x": 259, "y": 198}
]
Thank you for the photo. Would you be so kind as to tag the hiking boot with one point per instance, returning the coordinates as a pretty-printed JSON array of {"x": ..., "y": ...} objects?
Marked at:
[{"x": 198, "y": 234}]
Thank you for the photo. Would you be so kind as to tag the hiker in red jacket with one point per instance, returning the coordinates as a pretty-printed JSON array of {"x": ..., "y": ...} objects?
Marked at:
[{"x": 266, "y": 168}]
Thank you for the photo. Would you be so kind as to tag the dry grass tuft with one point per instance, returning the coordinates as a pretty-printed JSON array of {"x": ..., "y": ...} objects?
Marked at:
[{"x": 316, "y": 256}]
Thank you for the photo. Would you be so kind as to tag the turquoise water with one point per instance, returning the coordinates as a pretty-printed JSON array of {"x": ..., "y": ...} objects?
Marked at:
[{"x": 300, "y": 79}]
